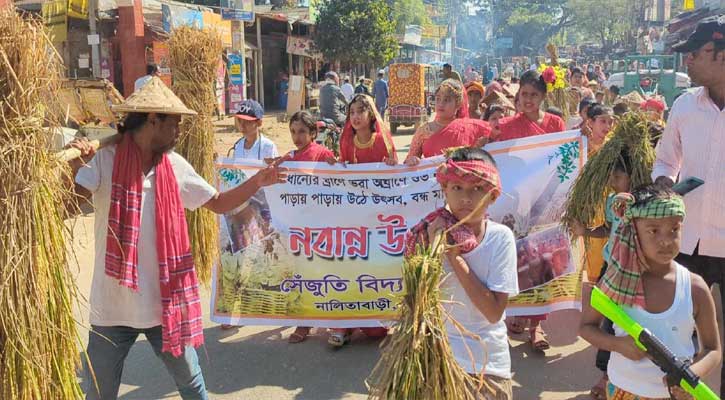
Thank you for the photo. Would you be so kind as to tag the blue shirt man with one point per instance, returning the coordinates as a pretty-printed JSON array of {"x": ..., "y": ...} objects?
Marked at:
[{"x": 381, "y": 93}]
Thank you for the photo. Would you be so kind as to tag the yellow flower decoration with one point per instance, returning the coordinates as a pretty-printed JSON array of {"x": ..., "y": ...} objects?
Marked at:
[{"x": 554, "y": 76}]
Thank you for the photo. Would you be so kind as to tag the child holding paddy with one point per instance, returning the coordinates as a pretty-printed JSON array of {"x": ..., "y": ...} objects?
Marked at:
[
  {"x": 481, "y": 261},
  {"x": 657, "y": 292}
]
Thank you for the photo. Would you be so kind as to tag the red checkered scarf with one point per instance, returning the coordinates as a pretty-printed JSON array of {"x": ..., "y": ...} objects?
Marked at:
[
  {"x": 181, "y": 308},
  {"x": 622, "y": 281},
  {"x": 462, "y": 236}
]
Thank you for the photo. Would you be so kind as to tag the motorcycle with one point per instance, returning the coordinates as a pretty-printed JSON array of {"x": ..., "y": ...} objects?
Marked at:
[{"x": 328, "y": 135}]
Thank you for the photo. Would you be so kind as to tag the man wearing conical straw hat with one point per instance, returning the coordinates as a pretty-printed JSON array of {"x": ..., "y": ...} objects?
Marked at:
[{"x": 144, "y": 280}]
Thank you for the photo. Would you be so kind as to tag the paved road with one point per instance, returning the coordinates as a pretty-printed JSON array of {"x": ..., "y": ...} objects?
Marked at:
[{"x": 257, "y": 362}]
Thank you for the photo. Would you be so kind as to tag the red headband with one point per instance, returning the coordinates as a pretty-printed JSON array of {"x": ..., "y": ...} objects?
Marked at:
[{"x": 473, "y": 172}]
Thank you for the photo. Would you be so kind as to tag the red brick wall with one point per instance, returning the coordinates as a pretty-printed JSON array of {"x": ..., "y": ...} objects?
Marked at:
[{"x": 130, "y": 32}]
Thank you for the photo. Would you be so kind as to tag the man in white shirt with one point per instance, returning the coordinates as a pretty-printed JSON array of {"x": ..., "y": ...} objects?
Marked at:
[
  {"x": 139, "y": 188},
  {"x": 347, "y": 89},
  {"x": 693, "y": 145},
  {"x": 151, "y": 71}
]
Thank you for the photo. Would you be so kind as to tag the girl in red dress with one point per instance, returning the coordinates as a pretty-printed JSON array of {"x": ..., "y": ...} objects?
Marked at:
[
  {"x": 451, "y": 126},
  {"x": 531, "y": 120},
  {"x": 365, "y": 139},
  {"x": 303, "y": 129}
]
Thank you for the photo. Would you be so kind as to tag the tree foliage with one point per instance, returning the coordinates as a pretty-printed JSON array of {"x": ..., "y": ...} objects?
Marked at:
[
  {"x": 356, "y": 31},
  {"x": 408, "y": 12},
  {"x": 607, "y": 26},
  {"x": 531, "y": 23}
]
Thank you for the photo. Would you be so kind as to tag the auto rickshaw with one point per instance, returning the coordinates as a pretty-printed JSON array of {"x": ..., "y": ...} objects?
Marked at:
[{"x": 412, "y": 88}]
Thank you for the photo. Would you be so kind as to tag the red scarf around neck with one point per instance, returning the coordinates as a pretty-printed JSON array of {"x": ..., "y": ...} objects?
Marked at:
[{"x": 181, "y": 323}]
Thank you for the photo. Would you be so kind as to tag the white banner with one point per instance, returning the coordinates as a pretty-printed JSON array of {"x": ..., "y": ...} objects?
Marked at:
[{"x": 325, "y": 248}]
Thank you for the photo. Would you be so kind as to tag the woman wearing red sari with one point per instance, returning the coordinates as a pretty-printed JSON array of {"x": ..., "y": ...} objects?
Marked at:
[
  {"x": 451, "y": 126},
  {"x": 364, "y": 138},
  {"x": 531, "y": 120}
]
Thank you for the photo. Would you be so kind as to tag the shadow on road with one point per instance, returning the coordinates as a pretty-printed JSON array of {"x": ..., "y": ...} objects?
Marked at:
[{"x": 234, "y": 362}]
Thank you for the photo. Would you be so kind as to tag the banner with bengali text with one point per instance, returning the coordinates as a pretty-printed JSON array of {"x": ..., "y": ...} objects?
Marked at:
[{"x": 325, "y": 248}]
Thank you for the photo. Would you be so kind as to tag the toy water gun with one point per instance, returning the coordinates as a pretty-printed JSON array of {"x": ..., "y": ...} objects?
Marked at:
[{"x": 678, "y": 370}]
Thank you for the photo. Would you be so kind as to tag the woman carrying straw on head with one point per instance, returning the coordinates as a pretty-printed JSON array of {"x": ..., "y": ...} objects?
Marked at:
[
  {"x": 451, "y": 127},
  {"x": 144, "y": 280}
]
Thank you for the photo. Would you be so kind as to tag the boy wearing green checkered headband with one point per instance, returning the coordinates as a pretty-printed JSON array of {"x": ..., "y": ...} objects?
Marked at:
[{"x": 657, "y": 292}]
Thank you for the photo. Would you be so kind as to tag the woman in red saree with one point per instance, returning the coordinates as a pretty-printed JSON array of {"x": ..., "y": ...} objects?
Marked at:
[
  {"x": 451, "y": 126},
  {"x": 531, "y": 120},
  {"x": 365, "y": 139}
]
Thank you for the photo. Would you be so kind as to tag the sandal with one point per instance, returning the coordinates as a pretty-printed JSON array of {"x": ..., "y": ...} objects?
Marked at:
[
  {"x": 299, "y": 335},
  {"x": 537, "y": 339},
  {"x": 338, "y": 339},
  {"x": 599, "y": 391},
  {"x": 516, "y": 325}
]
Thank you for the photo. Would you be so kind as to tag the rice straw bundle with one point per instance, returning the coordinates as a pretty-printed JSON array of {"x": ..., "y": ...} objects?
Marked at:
[
  {"x": 560, "y": 97},
  {"x": 194, "y": 57},
  {"x": 38, "y": 338},
  {"x": 417, "y": 361},
  {"x": 587, "y": 198}
]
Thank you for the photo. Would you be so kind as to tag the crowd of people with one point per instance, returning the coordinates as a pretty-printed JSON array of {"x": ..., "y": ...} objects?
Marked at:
[{"x": 659, "y": 255}]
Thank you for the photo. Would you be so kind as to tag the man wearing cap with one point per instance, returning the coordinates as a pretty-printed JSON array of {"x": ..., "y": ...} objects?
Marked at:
[
  {"x": 380, "y": 91},
  {"x": 449, "y": 73},
  {"x": 693, "y": 145},
  {"x": 332, "y": 102},
  {"x": 144, "y": 280}
]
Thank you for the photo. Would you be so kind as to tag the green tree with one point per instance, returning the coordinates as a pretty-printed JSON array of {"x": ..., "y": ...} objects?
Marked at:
[
  {"x": 408, "y": 12},
  {"x": 356, "y": 31},
  {"x": 531, "y": 23},
  {"x": 609, "y": 25}
]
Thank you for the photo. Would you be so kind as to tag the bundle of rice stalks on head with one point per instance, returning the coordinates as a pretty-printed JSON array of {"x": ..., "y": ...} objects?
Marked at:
[
  {"x": 557, "y": 94},
  {"x": 194, "y": 56},
  {"x": 38, "y": 338},
  {"x": 587, "y": 198},
  {"x": 417, "y": 361}
]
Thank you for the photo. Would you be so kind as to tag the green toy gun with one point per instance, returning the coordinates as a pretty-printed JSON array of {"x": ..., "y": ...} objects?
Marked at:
[{"x": 678, "y": 371}]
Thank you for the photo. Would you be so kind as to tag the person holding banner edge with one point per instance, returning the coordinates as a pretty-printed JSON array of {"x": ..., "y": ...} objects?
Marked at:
[
  {"x": 303, "y": 129},
  {"x": 144, "y": 279},
  {"x": 376, "y": 145}
]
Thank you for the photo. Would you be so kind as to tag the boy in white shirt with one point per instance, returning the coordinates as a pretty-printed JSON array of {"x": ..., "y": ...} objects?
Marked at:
[
  {"x": 253, "y": 145},
  {"x": 482, "y": 267}
]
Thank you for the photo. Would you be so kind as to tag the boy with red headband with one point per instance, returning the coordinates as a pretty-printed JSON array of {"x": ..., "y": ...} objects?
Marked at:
[{"x": 481, "y": 262}]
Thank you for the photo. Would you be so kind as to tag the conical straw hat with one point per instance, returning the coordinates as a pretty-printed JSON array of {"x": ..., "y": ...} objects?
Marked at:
[
  {"x": 633, "y": 98},
  {"x": 154, "y": 97},
  {"x": 498, "y": 98}
]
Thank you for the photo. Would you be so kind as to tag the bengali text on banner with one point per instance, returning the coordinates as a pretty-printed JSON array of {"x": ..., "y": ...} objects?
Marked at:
[{"x": 325, "y": 248}]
